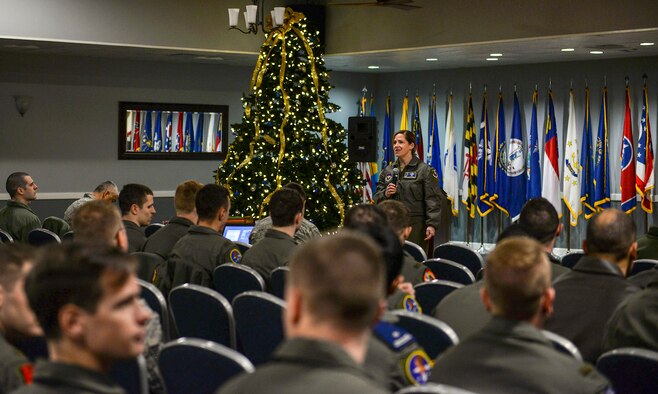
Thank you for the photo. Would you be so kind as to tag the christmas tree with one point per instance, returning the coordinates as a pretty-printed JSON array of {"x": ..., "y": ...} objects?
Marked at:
[{"x": 284, "y": 135}]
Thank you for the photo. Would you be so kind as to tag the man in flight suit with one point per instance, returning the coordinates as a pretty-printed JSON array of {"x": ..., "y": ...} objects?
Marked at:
[{"x": 16, "y": 217}]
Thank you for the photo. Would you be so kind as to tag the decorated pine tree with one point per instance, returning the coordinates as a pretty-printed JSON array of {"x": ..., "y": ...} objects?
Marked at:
[{"x": 285, "y": 135}]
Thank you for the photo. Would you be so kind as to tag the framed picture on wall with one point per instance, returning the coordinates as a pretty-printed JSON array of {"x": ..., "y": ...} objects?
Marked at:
[{"x": 172, "y": 131}]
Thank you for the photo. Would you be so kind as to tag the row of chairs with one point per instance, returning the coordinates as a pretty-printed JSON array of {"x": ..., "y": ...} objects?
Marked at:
[{"x": 38, "y": 237}]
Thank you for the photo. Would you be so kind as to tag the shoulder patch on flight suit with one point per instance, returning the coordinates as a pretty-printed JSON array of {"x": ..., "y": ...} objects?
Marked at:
[
  {"x": 410, "y": 304},
  {"x": 428, "y": 275},
  {"x": 388, "y": 177},
  {"x": 394, "y": 337},
  {"x": 235, "y": 255},
  {"x": 417, "y": 367},
  {"x": 410, "y": 175},
  {"x": 435, "y": 174}
]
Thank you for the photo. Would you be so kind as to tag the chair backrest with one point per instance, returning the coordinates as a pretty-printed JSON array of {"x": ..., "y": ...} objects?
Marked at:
[
  {"x": 563, "y": 345},
  {"x": 200, "y": 312},
  {"x": 449, "y": 270},
  {"x": 132, "y": 375},
  {"x": 415, "y": 250},
  {"x": 433, "y": 335},
  {"x": 433, "y": 388},
  {"x": 569, "y": 260},
  {"x": 41, "y": 236},
  {"x": 152, "y": 228},
  {"x": 278, "y": 281},
  {"x": 242, "y": 247},
  {"x": 190, "y": 365},
  {"x": 259, "y": 324},
  {"x": 429, "y": 294},
  {"x": 158, "y": 304},
  {"x": 57, "y": 225},
  {"x": 630, "y": 370},
  {"x": 67, "y": 237},
  {"x": 5, "y": 238},
  {"x": 146, "y": 264},
  {"x": 460, "y": 254},
  {"x": 642, "y": 265},
  {"x": 232, "y": 279}
]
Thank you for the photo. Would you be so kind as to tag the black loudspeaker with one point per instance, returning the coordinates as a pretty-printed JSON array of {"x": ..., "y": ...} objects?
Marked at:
[{"x": 362, "y": 138}]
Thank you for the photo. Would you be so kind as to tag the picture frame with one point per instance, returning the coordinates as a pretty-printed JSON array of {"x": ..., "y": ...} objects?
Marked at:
[{"x": 161, "y": 131}]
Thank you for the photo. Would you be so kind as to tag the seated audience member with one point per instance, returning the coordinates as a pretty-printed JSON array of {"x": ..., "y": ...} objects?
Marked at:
[
  {"x": 398, "y": 219},
  {"x": 334, "y": 295},
  {"x": 107, "y": 191},
  {"x": 16, "y": 217},
  {"x": 165, "y": 238},
  {"x": 286, "y": 210},
  {"x": 463, "y": 309},
  {"x": 587, "y": 296},
  {"x": 540, "y": 221},
  {"x": 635, "y": 322},
  {"x": 17, "y": 321},
  {"x": 87, "y": 302},
  {"x": 305, "y": 232},
  {"x": 510, "y": 354},
  {"x": 196, "y": 255},
  {"x": 137, "y": 210},
  {"x": 647, "y": 245}
]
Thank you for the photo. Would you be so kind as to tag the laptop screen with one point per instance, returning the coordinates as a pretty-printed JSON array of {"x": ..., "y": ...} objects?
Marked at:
[{"x": 238, "y": 233}]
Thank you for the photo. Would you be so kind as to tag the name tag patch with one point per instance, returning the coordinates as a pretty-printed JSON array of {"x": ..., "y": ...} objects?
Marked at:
[{"x": 410, "y": 175}]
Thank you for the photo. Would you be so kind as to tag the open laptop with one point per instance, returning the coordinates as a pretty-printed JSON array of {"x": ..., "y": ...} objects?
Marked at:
[{"x": 238, "y": 233}]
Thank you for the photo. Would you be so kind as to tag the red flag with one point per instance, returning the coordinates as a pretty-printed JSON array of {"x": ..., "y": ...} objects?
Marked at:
[
  {"x": 180, "y": 144},
  {"x": 644, "y": 177},
  {"x": 136, "y": 141},
  {"x": 628, "y": 198}
]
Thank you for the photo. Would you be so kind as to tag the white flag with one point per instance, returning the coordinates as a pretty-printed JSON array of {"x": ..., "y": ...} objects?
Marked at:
[
  {"x": 571, "y": 171},
  {"x": 450, "y": 163}
]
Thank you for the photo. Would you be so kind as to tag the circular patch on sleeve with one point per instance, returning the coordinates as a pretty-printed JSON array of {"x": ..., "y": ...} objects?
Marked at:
[
  {"x": 388, "y": 178},
  {"x": 428, "y": 275},
  {"x": 235, "y": 255},
  {"x": 417, "y": 367},
  {"x": 410, "y": 304},
  {"x": 435, "y": 174}
]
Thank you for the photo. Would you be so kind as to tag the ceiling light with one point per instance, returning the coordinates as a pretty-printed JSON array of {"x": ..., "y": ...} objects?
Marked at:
[
  {"x": 496, "y": 54},
  {"x": 373, "y": 67},
  {"x": 596, "y": 52},
  {"x": 254, "y": 17},
  {"x": 431, "y": 59},
  {"x": 567, "y": 49},
  {"x": 646, "y": 44},
  {"x": 492, "y": 59}
]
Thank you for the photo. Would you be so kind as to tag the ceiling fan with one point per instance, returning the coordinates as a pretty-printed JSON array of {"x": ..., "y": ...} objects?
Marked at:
[{"x": 399, "y": 4}]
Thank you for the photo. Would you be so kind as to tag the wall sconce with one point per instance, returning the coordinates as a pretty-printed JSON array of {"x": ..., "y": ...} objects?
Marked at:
[{"x": 22, "y": 104}]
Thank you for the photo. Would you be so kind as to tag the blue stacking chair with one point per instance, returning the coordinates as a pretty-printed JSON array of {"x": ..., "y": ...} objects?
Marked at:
[
  {"x": 569, "y": 260},
  {"x": 158, "y": 304},
  {"x": 200, "y": 312},
  {"x": 41, "y": 236},
  {"x": 449, "y": 270},
  {"x": 415, "y": 250},
  {"x": 232, "y": 279},
  {"x": 132, "y": 375},
  {"x": 259, "y": 324},
  {"x": 433, "y": 335},
  {"x": 152, "y": 229},
  {"x": 429, "y": 294},
  {"x": 642, "y": 265},
  {"x": 5, "y": 238},
  {"x": 563, "y": 345},
  {"x": 278, "y": 281},
  {"x": 460, "y": 254},
  {"x": 630, "y": 370},
  {"x": 190, "y": 365},
  {"x": 242, "y": 247}
]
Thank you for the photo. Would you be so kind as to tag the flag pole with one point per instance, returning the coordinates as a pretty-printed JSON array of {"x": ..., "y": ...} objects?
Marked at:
[{"x": 568, "y": 231}]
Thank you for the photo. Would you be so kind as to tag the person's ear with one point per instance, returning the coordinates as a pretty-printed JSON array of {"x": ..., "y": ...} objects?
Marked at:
[
  {"x": 486, "y": 299},
  {"x": 72, "y": 321},
  {"x": 547, "y": 300},
  {"x": 298, "y": 218},
  {"x": 559, "y": 229},
  {"x": 394, "y": 285},
  {"x": 406, "y": 232},
  {"x": 293, "y": 311},
  {"x": 632, "y": 252},
  {"x": 381, "y": 309},
  {"x": 134, "y": 208},
  {"x": 121, "y": 239},
  {"x": 585, "y": 246},
  {"x": 2, "y": 296}
]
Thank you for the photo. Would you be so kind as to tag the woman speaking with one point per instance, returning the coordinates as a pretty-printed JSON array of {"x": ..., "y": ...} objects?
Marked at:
[{"x": 416, "y": 185}]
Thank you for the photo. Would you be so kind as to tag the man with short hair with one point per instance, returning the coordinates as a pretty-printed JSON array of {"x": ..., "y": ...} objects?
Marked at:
[
  {"x": 305, "y": 232},
  {"x": 196, "y": 255},
  {"x": 16, "y": 217},
  {"x": 327, "y": 321},
  {"x": 137, "y": 210},
  {"x": 589, "y": 294},
  {"x": 87, "y": 303},
  {"x": 163, "y": 240},
  {"x": 510, "y": 354},
  {"x": 540, "y": 220},
  {"x": 17, "y": 321},
  {"x": 106, "y": 191},
  {"x": 98, "y": 222},
  {"x": 286, "y": 210}
]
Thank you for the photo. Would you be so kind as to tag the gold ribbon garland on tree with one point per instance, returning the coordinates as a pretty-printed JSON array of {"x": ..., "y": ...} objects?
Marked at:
[{"x": 256, "y": 80}]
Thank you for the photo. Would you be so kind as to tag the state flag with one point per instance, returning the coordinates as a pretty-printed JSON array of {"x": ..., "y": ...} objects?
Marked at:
[
  {"x": 550, "y": 170},
  {"x": 572, "y": 168}
]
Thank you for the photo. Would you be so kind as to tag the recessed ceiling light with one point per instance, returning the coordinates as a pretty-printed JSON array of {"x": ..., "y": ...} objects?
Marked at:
[
  {"x": 496, "y": 54},
  {"x": 567, "y": 49},
  {"x": 596, "y": 52},
  {"x": 492, "y": 59},
  {"x": 373, "y": 67},
  {"x": 431, "y": 59},
  {"x": 646, "y": 44}
]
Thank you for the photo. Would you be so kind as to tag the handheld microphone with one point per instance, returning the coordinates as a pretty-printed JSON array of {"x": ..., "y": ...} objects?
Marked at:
[{"x": 396, "y": 175}]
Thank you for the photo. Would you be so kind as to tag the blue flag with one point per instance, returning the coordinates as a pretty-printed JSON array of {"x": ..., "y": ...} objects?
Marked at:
[
  {"x": 198, "y": 134},
  {"x": 601, "y": 162},
  {"x": 167, "y": 144},
  {"x": 435, "y": 143},
  {"x": 501, "y": 181},
  {"x": 386, "y": 142},
  {"x": 157, "y": 133},
  {"x": 188, "y": 133},
  {"x": 485, "y": 164},
  {"x": 147, "y": 143},
  {"x": 516, "y": 164},
  {"x": 533, "y": 177},
  {"x": 418, "y": 130},
  {"x": 587, "y": 164}
]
